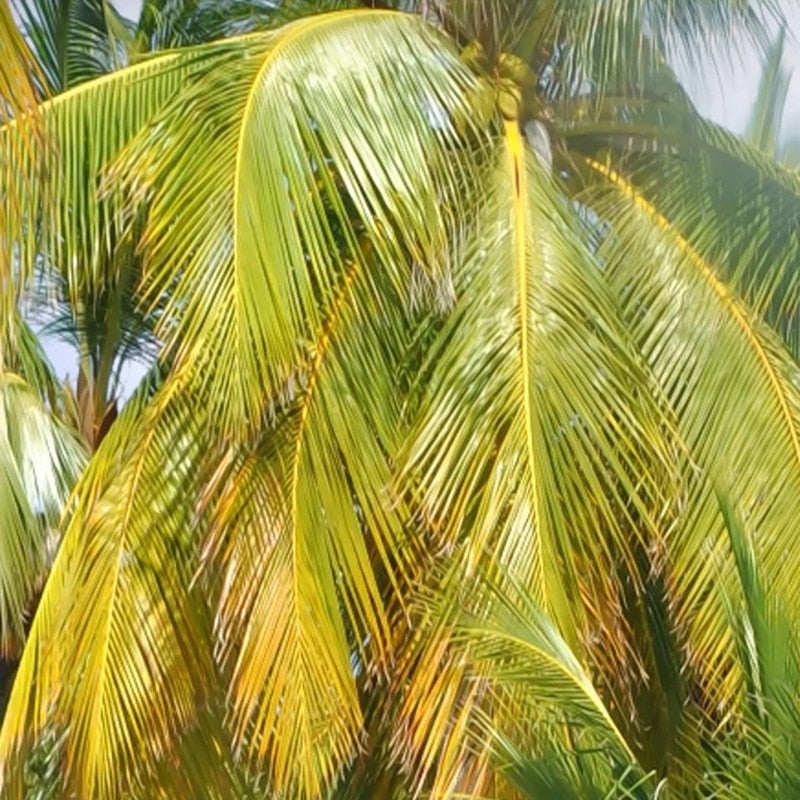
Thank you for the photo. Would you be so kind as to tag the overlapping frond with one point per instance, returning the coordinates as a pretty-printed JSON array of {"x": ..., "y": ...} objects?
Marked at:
[
  {"x": 272, "y": 176},
  {"x": 301, "y": 239},
  {"x": 18, "y": 99},
  {"x": 64, "y": 216},
  {"x": 733, "y": 390},
  {"x": 311, "y": 545},
  {"x": 298, "y": 200},
  {"x": 737, "y": 206},
  {"x": 119, "y": 658},
  {"x": 548, "y": 729},
  {"x": 606, "y": 43},
  {"x": 538, "y": 452},
  {"x": 587, "y": 47},
  {"x": 754, "y": 753}
]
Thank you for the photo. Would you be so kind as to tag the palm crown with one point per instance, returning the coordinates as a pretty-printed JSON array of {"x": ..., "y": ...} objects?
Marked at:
[{"x": 469, "y": 465}]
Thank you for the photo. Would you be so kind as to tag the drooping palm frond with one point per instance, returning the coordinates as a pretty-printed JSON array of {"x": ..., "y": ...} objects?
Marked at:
[
  {"x": 18, "y": 73},
  {"x": 694, "y": 172},
  {"x": 225, "y": 186},
  {"x": 733, "y": 390},
  {"x": 754, "y": 753},
  {"x": 310, "y": 543},
  {"x": 538, "y": 455},
  {"x": 16, "y": 90},
  {"x": 140, "y": 660},
  {"x": 27, "y": 358},
  {"x": 567, "y": 748},
  {"x": 18, "y": 99}
]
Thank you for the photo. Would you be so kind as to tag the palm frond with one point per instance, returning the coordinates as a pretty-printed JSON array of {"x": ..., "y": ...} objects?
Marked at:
[
  {"x": 692, "y": 171},
  {"x": 540, "y": 726},
  {"x": 18, "y": 102},
  {"x": 538, "y": 454},
  {"x": 607, "y": 44},
  {"x": 72, "y": 224},
  {"x": 266, "y": 232},
  {"x": 754, "y": 754},
  {"x": 16, "y": 85},
  {"x": 311, "y": 545},
  {"x": 138, "y": 655},
  {"x": 531, "y": 670},
  {"x": 733, "y": 390},
  {"x": 164, "y": 24}
]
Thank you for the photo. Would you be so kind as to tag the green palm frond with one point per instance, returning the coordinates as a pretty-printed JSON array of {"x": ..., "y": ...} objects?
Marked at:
[
  {"x": 537, "y": 454},
  {"x": 140, "y": 657},
  {"x": 754, "y": 754},
  {"x": 70, "y": 223},
  {"x": 544, "y": 748},
  {"x": 342, "y": 209},
  {"x": 733, "y": 390},
  {"x": 378, "y": 147},
  {"x": 593, "y": 45},
  {"x": 541, "y": 726},
  {"x": 609, "y": 43},
  {"x": 18, "y": 101},
  {"x": 27, "y": 358},
  {"x": 526, "y": 664},
  {"x": 703, "y": 173},
  {"x": 303, "y": 532},
  {"x": 164, "y": 24}
]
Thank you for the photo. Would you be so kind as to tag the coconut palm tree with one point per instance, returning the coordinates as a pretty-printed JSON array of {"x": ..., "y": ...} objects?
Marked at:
[
  {"x": 470, "y": 464},
  {"x": 71, "y": 43}
]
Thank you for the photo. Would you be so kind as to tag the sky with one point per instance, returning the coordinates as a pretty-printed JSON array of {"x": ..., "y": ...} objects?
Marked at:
[{"x": 725, "y": 94}]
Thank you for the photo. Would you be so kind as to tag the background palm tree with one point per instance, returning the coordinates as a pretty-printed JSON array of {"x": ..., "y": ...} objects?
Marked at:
[
  {"x": 88, "y": 303},
  {"x": 470, "y": 455}
]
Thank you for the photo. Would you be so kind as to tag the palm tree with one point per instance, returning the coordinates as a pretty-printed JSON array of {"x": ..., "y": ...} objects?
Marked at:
[
  {"x": 73, "y": 42},
  {"x": 471, "y": 462}
]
